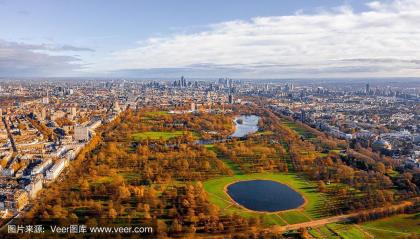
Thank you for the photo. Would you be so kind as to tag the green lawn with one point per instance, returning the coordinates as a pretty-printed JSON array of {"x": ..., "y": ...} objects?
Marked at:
[
  {"x": 130, "y": 176},
  {"x": 399, "y": 226},
  {"x": 337, "y": 151},
  {"x": 301, "y": 131},
  {"x": 233, "y": 166},
  {"x": 293, "y": 217},
  {"x": 209, "y": 146},
  {"x": 105, "y": 179},
  {"x": 273, "y": 219},
  {"x": 347, "y": 231},
  {"x": 395, "y": 226},
  {"x": 315, "y": 233},
  {"x": 327, "y": 233},
  {"x": 156, "y": 113},
  {"x": 393, "y": 173},
  {"x": 313, "y": 208},
  {"x": 155, "y": 135},
  {"x": 266, "y": 132}
]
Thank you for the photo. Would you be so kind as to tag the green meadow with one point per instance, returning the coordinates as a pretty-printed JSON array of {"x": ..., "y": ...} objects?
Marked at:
[
  {"x": 348, "y": 231},
  {"x": 399, "y": 226},
  {"x": 156, "y": 113},
  {"x": 298, "y": 129},
  {"x": 156, "y": 135},
  {"x": 396, "y": 226}
]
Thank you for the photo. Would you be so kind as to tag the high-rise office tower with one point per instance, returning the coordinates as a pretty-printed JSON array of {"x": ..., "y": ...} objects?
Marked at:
[
  {"x": 230, "y": 83},
  {"x": 230, "y": 99},
  {"x": 183, "y": 82}
]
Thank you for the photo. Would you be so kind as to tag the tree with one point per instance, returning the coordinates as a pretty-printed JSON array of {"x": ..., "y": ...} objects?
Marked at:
[
  {"x": 123, "y": 193},
  {"x": 322, "y": 187},
  {"x": 176, "y": 226},
  {"x": 380, "y": 167},
  {"x": 112, "y": 213}
]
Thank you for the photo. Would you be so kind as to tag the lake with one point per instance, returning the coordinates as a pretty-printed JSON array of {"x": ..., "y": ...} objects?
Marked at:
[
  {"x": 264, "y": 195},
  {"x": 249, "y": 125}
]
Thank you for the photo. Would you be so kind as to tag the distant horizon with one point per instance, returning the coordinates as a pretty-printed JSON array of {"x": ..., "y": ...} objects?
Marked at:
[{"x": 314, "y": 79}]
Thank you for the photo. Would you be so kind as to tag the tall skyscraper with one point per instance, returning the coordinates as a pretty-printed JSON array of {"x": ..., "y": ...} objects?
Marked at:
[
  {"x": 286, "y": 88},
  {"x": 230, "y": 99},
  {"x": 183, "y": 82}
]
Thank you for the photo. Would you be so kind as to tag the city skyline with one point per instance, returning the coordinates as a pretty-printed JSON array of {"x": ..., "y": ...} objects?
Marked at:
[{"x": 263, "y": 40}]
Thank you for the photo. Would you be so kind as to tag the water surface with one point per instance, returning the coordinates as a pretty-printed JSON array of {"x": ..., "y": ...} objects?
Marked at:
[
  {"x": 249, "y": 125},
  {"x": 264, "y": 195}
]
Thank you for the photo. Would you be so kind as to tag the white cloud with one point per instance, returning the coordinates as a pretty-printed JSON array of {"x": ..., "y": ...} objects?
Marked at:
[
  {"x": 22, "y": 59},
  {"x": 329, "y": 43},
  {"x": 376, "y": 5}
]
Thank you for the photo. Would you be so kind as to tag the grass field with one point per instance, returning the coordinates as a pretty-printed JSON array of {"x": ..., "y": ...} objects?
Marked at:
[
  {"x": 313, "y": 208},
  {"x": 155, "y": 135},
  {"x": 392, "y": 227},
  {"x": 294, "y": 216},
  {"x": 209, "y": 146},
  {"x": 149, "y": 117},
  {"x": 348, "y": 231},
  {"x": 399, "y": 226},
  {"x": 156, "y": 113},
  {"x": 301, "y": 131},
  {"x": 327, "y": 233},
  {"x": 315, "y": 233}
]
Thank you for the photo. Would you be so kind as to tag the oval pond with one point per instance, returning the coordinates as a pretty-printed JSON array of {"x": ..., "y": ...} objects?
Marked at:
[{"x": 264, "y": 195}]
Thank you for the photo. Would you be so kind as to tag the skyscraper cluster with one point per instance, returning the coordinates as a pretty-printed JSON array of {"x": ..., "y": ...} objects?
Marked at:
[{"x": 181, "y": 83}]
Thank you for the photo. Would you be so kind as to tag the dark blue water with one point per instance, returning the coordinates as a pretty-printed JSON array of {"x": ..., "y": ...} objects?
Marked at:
[{"x": 264, "y": 195}]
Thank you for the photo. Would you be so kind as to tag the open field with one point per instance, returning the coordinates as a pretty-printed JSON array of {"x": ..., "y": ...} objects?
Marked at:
[
  {"x": 339, "y": 230},
  {"x": 313, "y": 208},
  {"x": 294, "y": 216},
  {"x": 348, "y": 231},
  {"x": 327, "y": 233},
  {"x": 301, "y": 131},
  {"x": 398, "y": 226},
  {"x": 395, "y": 226},
  {"x": 155, "y": 135},
  {"x": 156, "y": 113}
]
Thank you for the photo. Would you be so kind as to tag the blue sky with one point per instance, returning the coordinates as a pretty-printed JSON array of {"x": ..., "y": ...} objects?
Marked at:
[
  {"x": 114, "y": 24},
  {"x": 168, "y": 38}
]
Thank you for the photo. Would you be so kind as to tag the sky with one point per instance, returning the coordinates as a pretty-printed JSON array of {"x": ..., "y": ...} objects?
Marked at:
[{"x": 236, "y": 38}]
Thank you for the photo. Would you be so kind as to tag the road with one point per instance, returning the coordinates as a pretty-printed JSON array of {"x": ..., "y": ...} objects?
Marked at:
[
  {"x": 9, "y": 134},
  {"x": 316, "y": 223}
]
